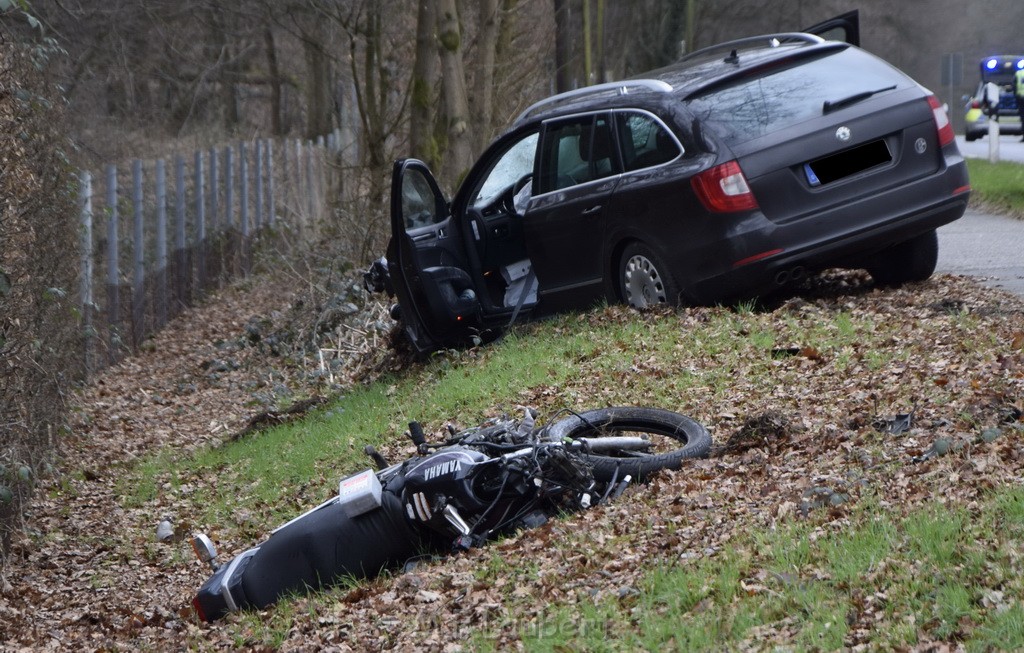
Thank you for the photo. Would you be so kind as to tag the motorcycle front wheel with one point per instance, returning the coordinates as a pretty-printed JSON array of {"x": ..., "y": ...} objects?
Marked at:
[{"x": 665, "y": 430}]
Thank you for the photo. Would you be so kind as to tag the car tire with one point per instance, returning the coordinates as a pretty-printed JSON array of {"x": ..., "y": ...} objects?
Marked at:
[
  {"x": 644, "y": 280},
  {"x": 911, "y": 260}
]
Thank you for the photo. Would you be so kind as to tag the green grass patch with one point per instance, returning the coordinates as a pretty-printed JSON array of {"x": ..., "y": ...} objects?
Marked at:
[
  {"x": 897, "y": 578},
  {"x": 999, "y": 186}
]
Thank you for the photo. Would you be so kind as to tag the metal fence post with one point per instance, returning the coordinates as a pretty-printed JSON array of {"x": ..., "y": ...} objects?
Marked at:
[
  {"x": 286, "y": 181},
  {"x": 299, "y": 212},
  {"x": 85, "y": 283},
  {"x": 214, "y": 224},
  {"x": 271, "y": 205},
  {"x": 200, "y": 197},
  {"x": 243, "y": 168},
  {"x": 139, "y": 259},
  {"x": 183, "y": 271},
  {"x": 309, "y": 178},
  {"x": 321, "y": 172},
  {"x": 161, "y": 243},
  {"x": 214, "y": 192},
  {"x": 229, "y": 188},
  {"x": 113, "y": 268},
  {"x": 258, "y": 176}
]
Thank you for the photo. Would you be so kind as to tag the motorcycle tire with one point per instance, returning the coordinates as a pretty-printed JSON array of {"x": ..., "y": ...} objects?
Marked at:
[{"x": 641, "y": 421}]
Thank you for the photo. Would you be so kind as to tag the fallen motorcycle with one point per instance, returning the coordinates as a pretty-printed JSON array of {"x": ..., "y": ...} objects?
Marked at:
[{"x": 479, "y": 483}]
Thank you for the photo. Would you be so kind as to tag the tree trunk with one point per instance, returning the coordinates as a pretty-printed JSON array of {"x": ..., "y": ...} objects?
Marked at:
[
  {"x": 602, "y": 68},
  {"x": 318, "y": 87},
  {"x": 503, "y": 54},
  {"x": 563, "y": 47},
  {"x": 368, "y": 75},
  {"x": 229, "y": 95},
  {"x": 454, "y": 100},
  {"x": 691, "y": 31},
  {"x": 588, "y": 69},
  {"x": 676, "y": 13},
  {"x": 275, "y": 82},
  {"x": 483, "y": 91},
  {"x": 424, "y": 74}
]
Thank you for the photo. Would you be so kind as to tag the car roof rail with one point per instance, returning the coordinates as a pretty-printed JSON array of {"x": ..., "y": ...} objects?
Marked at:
[
  {"x": 765, "y": 40},
  {"x": 623, "y": 87}
]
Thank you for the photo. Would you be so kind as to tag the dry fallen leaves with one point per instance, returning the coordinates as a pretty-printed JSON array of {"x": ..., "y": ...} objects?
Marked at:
[{"x": 90, "y": 575}]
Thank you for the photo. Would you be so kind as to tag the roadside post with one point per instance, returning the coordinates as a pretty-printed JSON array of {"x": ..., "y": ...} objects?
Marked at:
[{"x": 993, "y": 141}]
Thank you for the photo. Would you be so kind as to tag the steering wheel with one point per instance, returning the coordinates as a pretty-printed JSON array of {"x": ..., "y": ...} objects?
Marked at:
[
  {"x": 521, "y": 183},
  {"x": 509, "y": 196}
]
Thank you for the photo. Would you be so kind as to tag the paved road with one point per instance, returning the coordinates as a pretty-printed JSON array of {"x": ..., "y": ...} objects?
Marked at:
[
  {"x": 981, "y": 244},
  {"x": 987, "y": 246},
  {"x": 1010, "y": 148}
]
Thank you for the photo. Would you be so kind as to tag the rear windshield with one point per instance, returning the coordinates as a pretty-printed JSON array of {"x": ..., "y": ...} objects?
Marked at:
[{"x": 781, "y": 98}]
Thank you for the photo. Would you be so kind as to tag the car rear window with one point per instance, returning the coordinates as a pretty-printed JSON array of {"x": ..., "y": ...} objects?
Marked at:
[{"x": 757, "y": 106}]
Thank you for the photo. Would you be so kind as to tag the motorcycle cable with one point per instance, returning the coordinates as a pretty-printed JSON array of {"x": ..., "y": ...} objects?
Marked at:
[{"x": 497, "y": 498}]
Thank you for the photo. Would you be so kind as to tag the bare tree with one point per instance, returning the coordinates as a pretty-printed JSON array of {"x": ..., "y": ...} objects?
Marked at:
[
  {"x": 483, "y": 88},
  {"x": 274, "y": 68},
  {"x": 454, "y": 99},
  {"x": 422, "y": 143},
  {"x": 563, "y": 46}
]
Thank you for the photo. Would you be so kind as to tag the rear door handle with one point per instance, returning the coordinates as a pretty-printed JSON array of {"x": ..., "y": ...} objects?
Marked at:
[{"x": 593, "y": 209}]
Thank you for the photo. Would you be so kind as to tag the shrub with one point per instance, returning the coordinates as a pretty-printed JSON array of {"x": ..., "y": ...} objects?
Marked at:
[{"x": 38, "y": 245}]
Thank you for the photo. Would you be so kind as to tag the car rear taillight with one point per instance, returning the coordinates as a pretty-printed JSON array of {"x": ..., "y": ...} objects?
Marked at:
[
  {"x": 942, "y": 124},
  {"x": 724, "y": 189}
]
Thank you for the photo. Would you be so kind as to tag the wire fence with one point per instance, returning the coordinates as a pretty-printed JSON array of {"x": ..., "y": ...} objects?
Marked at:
[{"x": 158, "y": 235}]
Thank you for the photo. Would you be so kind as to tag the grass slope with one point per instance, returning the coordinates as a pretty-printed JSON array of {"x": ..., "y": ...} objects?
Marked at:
[
  {"x": 808, "y": 527},
  {"x": 998, "y": 187}
]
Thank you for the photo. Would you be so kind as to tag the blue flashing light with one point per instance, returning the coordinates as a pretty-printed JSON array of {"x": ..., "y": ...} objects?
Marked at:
[
  {"x": 1020, "y": 65},
  {"x": 991, "y": 64}
]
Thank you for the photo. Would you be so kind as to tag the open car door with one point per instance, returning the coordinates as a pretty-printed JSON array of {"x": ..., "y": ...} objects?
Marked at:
[
  {"x": 436, "y": 297},
  {"x": 845, "y": 27}
]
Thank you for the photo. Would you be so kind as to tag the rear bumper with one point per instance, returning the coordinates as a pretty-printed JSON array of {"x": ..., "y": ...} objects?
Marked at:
[{"x": 795, "y": 248}]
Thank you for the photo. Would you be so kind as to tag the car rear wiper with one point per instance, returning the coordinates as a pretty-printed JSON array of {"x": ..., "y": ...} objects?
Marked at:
[{"x": 832, "y": 105}]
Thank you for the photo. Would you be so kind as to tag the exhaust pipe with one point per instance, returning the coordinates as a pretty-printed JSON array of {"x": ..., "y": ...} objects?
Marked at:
[{"x": 784, "y": 277}]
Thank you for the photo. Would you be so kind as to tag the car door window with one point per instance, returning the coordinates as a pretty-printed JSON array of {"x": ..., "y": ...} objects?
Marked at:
[
  {"x": 510, "y": 167},
  {"x": 419, "y": 203},
  {"x": 577, "y": 151},
  {"x": 645, "y": 141}
]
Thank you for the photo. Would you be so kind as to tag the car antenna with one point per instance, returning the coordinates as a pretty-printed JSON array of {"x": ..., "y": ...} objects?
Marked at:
[{"x": 733, "y": 57}]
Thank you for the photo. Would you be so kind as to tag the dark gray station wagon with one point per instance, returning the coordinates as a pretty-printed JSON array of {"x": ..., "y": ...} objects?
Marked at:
[{"x": 735, "y": 171}]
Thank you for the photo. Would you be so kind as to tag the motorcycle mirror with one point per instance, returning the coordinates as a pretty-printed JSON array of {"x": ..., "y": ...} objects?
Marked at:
[{"x": 205, "y": 550}]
